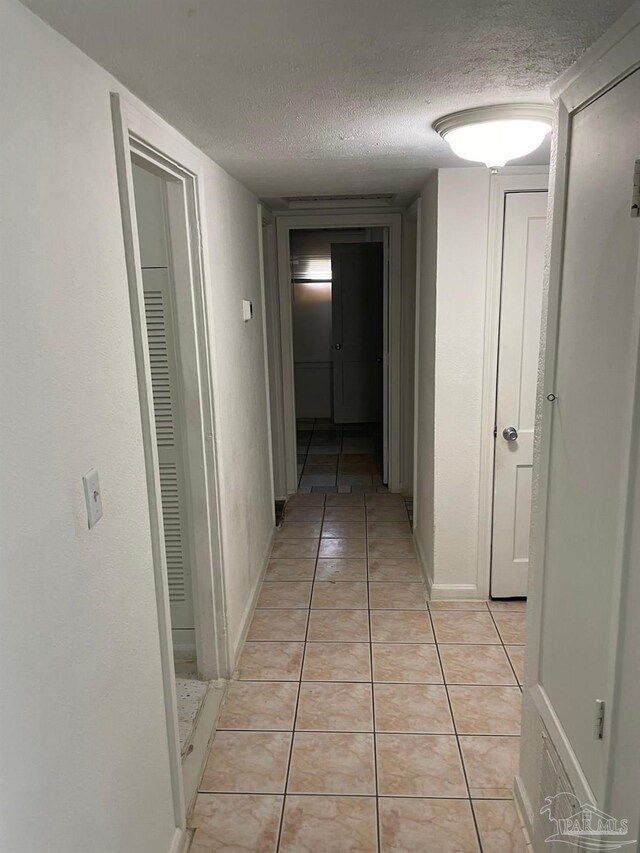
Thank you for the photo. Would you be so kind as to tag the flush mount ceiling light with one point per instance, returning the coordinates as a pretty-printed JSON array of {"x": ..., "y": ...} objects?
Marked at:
[{"x": 495, "y": 135}]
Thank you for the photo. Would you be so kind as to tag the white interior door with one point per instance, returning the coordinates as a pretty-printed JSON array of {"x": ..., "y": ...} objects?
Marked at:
[{"x": 519, "y": 340}]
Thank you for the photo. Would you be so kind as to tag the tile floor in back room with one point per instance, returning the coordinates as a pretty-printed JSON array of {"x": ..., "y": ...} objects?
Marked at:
[{"x": 362, "y": 717}]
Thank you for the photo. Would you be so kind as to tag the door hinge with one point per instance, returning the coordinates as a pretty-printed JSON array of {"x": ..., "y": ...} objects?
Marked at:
[
  {"x": 599, "y": 728},
  {"x": 495, "y": 430}
]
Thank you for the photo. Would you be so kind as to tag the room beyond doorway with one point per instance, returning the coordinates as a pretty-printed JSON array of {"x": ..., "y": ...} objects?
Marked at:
[
  {"x": 286, "y": 398},
  {"x": 339, "y": 335}
]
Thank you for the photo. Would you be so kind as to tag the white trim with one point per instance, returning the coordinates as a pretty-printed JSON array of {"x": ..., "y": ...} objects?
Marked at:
[
  {"x": 425, "y": 569},
  {"x": 137, "y": 131},
  {"x": 510, "y": 179},
  {"x": 265, "y": 341},
  {"x": 194, "y": 761},
  {"x": 180, "y": 841},
  {"x": 448, "y": 592},
  {"x": 561, "y": 742},
  {"x": 382, "y": 219},
  {"x": 417, "y": 208},
  {"x": 274, "y": 351}
]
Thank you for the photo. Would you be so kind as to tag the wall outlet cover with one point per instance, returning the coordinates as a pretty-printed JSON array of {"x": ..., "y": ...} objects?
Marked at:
[
  {"x": 247, "y": 310},
  {"x": 92, "y": 497}
]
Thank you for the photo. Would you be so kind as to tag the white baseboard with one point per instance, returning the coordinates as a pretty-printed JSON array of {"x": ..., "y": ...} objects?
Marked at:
[
  {"x": 561, "y": 742},
  {"x": 248, "y": 612},
  {"x": 444, "y": 591},
  {"x": 180, "y": 841},
  {"x": 423, "y": 565},
  {"x": 194, "y": 761},
  {"x": 523, "y": 805}
]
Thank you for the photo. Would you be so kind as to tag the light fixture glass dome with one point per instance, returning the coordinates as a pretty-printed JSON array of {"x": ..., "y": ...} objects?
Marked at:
[{"x": 496, "y": 135}]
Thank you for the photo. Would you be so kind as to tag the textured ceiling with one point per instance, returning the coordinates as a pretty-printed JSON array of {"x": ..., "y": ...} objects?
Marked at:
[{"x": 329, "y": 96}]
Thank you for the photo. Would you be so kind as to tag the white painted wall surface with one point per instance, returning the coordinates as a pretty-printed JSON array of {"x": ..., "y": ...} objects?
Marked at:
[
  {"x": 462, "y": 231},
  {"x": 83, "y": 742},
  {"x": 243, "y": 440}
]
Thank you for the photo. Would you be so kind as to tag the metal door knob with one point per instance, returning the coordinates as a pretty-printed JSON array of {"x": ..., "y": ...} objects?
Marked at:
[
  {"x": 338, "y": 346},
  {"x": 510, "y": 433}
]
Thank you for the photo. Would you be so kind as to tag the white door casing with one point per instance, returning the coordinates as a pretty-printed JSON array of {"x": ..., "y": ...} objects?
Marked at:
[
  {"x": 518, "y": 350},
  {"x": 393, "y": 410}
]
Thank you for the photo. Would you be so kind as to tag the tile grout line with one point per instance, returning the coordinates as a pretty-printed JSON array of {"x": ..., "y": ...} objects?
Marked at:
[
  {"x": 504, "y": 648},
  {"x": 373, "y": 692},
  {"x": 295, "y": 714},
  {"x": 457, "y": 737}
]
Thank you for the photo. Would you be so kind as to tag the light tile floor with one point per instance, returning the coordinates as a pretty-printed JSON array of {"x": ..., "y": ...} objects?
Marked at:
[
  {"x": 363, "y": 718},
  {"x": 339, "y": 457}
]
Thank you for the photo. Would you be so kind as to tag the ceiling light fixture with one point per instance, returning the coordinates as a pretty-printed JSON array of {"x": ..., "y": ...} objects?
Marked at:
[{"x": 495, "y": 135}]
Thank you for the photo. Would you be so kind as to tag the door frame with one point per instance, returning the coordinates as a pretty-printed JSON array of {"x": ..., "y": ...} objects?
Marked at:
[
  {"x": 285, "y": 468},
  {"x": 613, "y": 58},
  {"x": 140, "y": 134},
  {"x": 509, "y": 180}
]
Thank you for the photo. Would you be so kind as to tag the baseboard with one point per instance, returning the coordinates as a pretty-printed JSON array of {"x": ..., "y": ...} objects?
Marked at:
[
  {"x": 445, "y": 591},
  {"x": 423, "y": 565},
  {"x": 523, "y": 805},
  {"x": 194, "y": 761},
  {"x": 180, "y": 841},
  {"x": 249, "y": 609},
  {"x": 561, "y": 742}
]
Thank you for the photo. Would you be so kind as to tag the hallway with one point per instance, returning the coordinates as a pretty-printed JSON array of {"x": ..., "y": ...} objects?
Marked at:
[
  {"x": 361, "y": 716},
  {"x": 339, "y": 457}
]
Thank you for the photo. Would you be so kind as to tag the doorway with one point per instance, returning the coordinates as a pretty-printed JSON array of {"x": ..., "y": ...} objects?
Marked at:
[
  {"x": 338, "y": 322},
  {"x": 520, "y": 315},
  {"x": 282, "y": 365},
  {"x": 166, "y": 275}
]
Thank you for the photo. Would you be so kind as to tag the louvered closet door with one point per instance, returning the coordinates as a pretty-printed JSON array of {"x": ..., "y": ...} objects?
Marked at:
[{"x": 165, "y": 379}]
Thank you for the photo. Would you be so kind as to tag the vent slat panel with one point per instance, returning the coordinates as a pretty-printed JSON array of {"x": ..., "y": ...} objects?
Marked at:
[{"x": 163, "y": 404}]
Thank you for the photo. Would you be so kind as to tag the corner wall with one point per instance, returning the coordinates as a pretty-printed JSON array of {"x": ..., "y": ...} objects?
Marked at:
[
  {"x": 455, "y": 216},
  {"x": 83, "y": 739}
]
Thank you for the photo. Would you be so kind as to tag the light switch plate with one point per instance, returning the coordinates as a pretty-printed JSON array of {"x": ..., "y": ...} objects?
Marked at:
[
  {"x": 247, "y": 310},
  {"x": 92, "y": 497}
]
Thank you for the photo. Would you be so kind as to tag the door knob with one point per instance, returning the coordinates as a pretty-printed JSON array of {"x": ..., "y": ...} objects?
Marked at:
[
  {"x": 338, "y": 346},
  {"x": 510, "y": 433}
]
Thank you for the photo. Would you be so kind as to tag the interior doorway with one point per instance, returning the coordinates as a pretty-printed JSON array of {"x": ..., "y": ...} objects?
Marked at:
[
  {"x": 168, "y": 335},
  {"x": 165, "y": 255},
  {"x": 338, "y": 323},
  {"x": 520, "y": 315},
  {"x": 282, "y": 357}
]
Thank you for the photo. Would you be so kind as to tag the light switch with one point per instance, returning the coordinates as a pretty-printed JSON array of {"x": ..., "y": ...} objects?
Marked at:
[
  {"x": 247, "y": 310},
  {"x": 92, "y": 496}
]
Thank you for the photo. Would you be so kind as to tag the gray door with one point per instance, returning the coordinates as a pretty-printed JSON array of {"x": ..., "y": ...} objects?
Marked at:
[{"x": 357, "y": 319}]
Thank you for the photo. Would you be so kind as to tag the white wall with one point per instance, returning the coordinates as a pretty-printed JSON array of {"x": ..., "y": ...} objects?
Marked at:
[
  {"x": 456, "y": 374},
  {"x": 242, "y": 431},
  {"x": 83, "y": 742}
]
